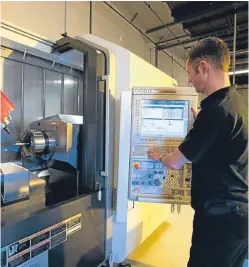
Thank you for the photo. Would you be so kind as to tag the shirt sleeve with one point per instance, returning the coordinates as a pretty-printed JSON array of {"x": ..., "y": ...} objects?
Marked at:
[{"x": 203, "y": 134}]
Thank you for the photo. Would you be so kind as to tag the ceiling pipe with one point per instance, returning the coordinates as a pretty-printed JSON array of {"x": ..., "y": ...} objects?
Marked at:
[
  {"x": 242, "y": 6},
  {"x": 234, "y": 46},
  {"x": 173, "y": 39},
  {"x": 90, "y": 17},
  {"x": 192, "y": 21},
  {"x": 191, "y": 40}
]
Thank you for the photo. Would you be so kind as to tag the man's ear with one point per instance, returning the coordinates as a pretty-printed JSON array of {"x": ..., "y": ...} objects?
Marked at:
[{"x": 203, "y": 67}]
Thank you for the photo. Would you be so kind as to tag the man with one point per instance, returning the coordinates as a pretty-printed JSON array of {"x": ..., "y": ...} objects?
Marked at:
[{"x": 217, "y": 146}]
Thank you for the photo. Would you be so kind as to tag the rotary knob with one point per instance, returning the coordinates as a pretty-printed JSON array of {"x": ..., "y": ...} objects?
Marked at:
[
  {"x": 157, "y": 182},
  {"x": 136, "y": 165}
]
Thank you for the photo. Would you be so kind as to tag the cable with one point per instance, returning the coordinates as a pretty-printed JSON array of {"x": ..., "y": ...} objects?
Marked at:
[
  {"x": 117, "y": 12},
  {"x": 65, "y": 19},
  {"x": 234, "y": 46}
]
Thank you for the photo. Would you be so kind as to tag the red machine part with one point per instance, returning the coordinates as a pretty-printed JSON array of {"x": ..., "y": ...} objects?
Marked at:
[{"x": 6, "y": 106}]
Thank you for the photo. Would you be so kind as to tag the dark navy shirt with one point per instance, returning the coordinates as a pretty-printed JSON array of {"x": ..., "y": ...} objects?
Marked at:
[{"x": 217, "y": 146}]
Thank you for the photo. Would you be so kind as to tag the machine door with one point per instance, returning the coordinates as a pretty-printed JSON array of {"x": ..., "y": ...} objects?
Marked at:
[{"x": 159, "y": 118}]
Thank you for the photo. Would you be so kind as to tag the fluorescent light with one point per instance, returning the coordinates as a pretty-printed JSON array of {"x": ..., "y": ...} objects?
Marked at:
[{"x": 239, "y": 72}]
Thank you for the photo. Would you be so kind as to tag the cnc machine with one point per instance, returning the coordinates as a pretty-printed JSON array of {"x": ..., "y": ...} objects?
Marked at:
[
  {"x": 77, "y": 182},
  {"x": 53, "y": 169}
]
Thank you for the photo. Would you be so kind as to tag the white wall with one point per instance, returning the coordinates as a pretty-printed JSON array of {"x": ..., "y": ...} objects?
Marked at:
[{"x": 47, "y": 19}]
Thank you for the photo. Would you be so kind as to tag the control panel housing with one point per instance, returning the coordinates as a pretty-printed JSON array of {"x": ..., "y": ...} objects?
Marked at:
[{"x": 160, "y": 118}]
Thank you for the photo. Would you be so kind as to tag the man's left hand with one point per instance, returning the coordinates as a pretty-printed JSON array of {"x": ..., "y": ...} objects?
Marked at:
[{"x": 155, "y": 154}]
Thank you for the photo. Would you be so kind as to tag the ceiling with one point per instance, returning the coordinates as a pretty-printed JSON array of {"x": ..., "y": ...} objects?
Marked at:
[{"x": 175, "y": 26}]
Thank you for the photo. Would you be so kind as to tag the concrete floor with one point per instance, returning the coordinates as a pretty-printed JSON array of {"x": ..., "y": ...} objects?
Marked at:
[
  {"x": 168, "y": 246},
  {"x": 159, "y": 250}
]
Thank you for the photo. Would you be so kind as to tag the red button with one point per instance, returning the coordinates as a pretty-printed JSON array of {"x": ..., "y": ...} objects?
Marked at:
[{"x": 136, "y": 165}]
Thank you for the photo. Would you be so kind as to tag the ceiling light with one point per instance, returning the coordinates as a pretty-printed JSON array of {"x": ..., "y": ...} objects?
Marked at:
[{"x": 239, "y": 72}]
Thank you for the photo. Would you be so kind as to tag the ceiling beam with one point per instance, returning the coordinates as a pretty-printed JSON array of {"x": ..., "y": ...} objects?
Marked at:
[
  {"x": 241, "y": 61},
  {"x": 218, "y": 32},
  {"x": 173, "y": 39},
  {"x": 241, "y": 44},
  {"x": 191, "y": 40},
  {"x": 201, "y": 16},
  {"x": 199, "y": 9},
  {"x": 240, "y": 37},
  {"x": 163, "y": 26},
  {"x": 221, "y": 30},
  {"x": 243, "y": 6}
]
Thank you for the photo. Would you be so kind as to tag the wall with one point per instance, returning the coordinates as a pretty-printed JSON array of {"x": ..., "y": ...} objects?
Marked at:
[{"x": 47, "y": 19}]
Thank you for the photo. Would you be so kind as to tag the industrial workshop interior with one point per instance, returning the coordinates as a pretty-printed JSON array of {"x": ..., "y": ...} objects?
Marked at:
[{"x": 87, "y": 89}]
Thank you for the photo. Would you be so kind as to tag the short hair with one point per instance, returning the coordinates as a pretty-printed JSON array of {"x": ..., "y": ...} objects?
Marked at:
[{"x": 214, "y": 50}]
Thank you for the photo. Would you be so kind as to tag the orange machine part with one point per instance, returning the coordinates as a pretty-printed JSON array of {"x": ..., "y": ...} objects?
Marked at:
[{"x": 6, "y": 106}]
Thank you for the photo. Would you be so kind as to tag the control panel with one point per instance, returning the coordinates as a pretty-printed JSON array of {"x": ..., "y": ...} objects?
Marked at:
[{"x": 161, "y": 118}]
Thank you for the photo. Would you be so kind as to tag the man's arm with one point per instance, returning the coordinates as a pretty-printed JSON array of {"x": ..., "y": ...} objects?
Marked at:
[
  {"x": 173, "y": 160},
  {"x": 199, "y": 139}
]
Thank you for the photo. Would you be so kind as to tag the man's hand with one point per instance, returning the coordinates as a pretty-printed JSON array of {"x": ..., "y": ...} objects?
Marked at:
[
  {"x": 174, "y": 160},
  {"x": 195, "y": 112},
  {"x": 155, "y": 154}
]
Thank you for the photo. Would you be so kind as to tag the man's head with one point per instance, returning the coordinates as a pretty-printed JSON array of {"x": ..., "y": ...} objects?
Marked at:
[{"x": 209, "y": 59}]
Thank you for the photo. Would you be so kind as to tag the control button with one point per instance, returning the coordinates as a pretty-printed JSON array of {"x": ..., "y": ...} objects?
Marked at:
[
  {"x": 136, "y": 165},
  {"x": 142, "y": 182},
  {"x": 157, "y": 182},
  {"x": 133, "y": 182},
  {"x": 155, "y": 172},
  {"x": 150, "y": 182},
  {"x": 138, "y": 183}
]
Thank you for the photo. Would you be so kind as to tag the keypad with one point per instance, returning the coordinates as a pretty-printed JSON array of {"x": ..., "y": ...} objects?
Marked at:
[{"x": 142, "y": 150}]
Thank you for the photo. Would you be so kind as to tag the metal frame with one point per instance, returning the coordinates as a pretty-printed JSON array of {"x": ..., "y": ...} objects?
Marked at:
[
  {"x": 90, "y": 91},
  {"x": 108, "y": 173},
  {"x": 90, "y": 113}
]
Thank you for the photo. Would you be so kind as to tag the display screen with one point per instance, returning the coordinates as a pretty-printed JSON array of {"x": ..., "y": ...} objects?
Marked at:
[{"x": 168, "y": 118}]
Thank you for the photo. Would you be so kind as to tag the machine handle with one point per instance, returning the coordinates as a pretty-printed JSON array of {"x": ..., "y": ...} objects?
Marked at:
[
  {"x": 164, "y": 200},
  {"x": 105, "y": 172}
]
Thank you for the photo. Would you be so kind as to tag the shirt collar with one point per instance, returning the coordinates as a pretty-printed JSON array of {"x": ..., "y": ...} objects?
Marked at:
[{"x": 217, "y": 94}]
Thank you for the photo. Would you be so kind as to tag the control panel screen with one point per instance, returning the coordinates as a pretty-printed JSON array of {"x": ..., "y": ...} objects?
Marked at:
[{"x": 166, "y": 118}]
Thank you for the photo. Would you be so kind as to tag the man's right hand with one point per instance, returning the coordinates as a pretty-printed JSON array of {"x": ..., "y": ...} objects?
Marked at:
[{"x": 195, "y": 112}]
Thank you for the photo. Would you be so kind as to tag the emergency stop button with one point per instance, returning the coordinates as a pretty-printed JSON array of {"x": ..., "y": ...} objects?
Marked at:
[{"x": 136, "y": 165}]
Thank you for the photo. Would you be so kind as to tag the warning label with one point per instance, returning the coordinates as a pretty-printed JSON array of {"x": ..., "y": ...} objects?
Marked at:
[
  {"x": 25, "y": 251},
  {"x": 58, "y": 229},
  {"x": 40, "y": 248},
  {"x": 73, "y": 225},
  {"x": 21, "y": 258},
  {"x": 57, "y": 239},
  {"x": 41, "y": 236}
]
